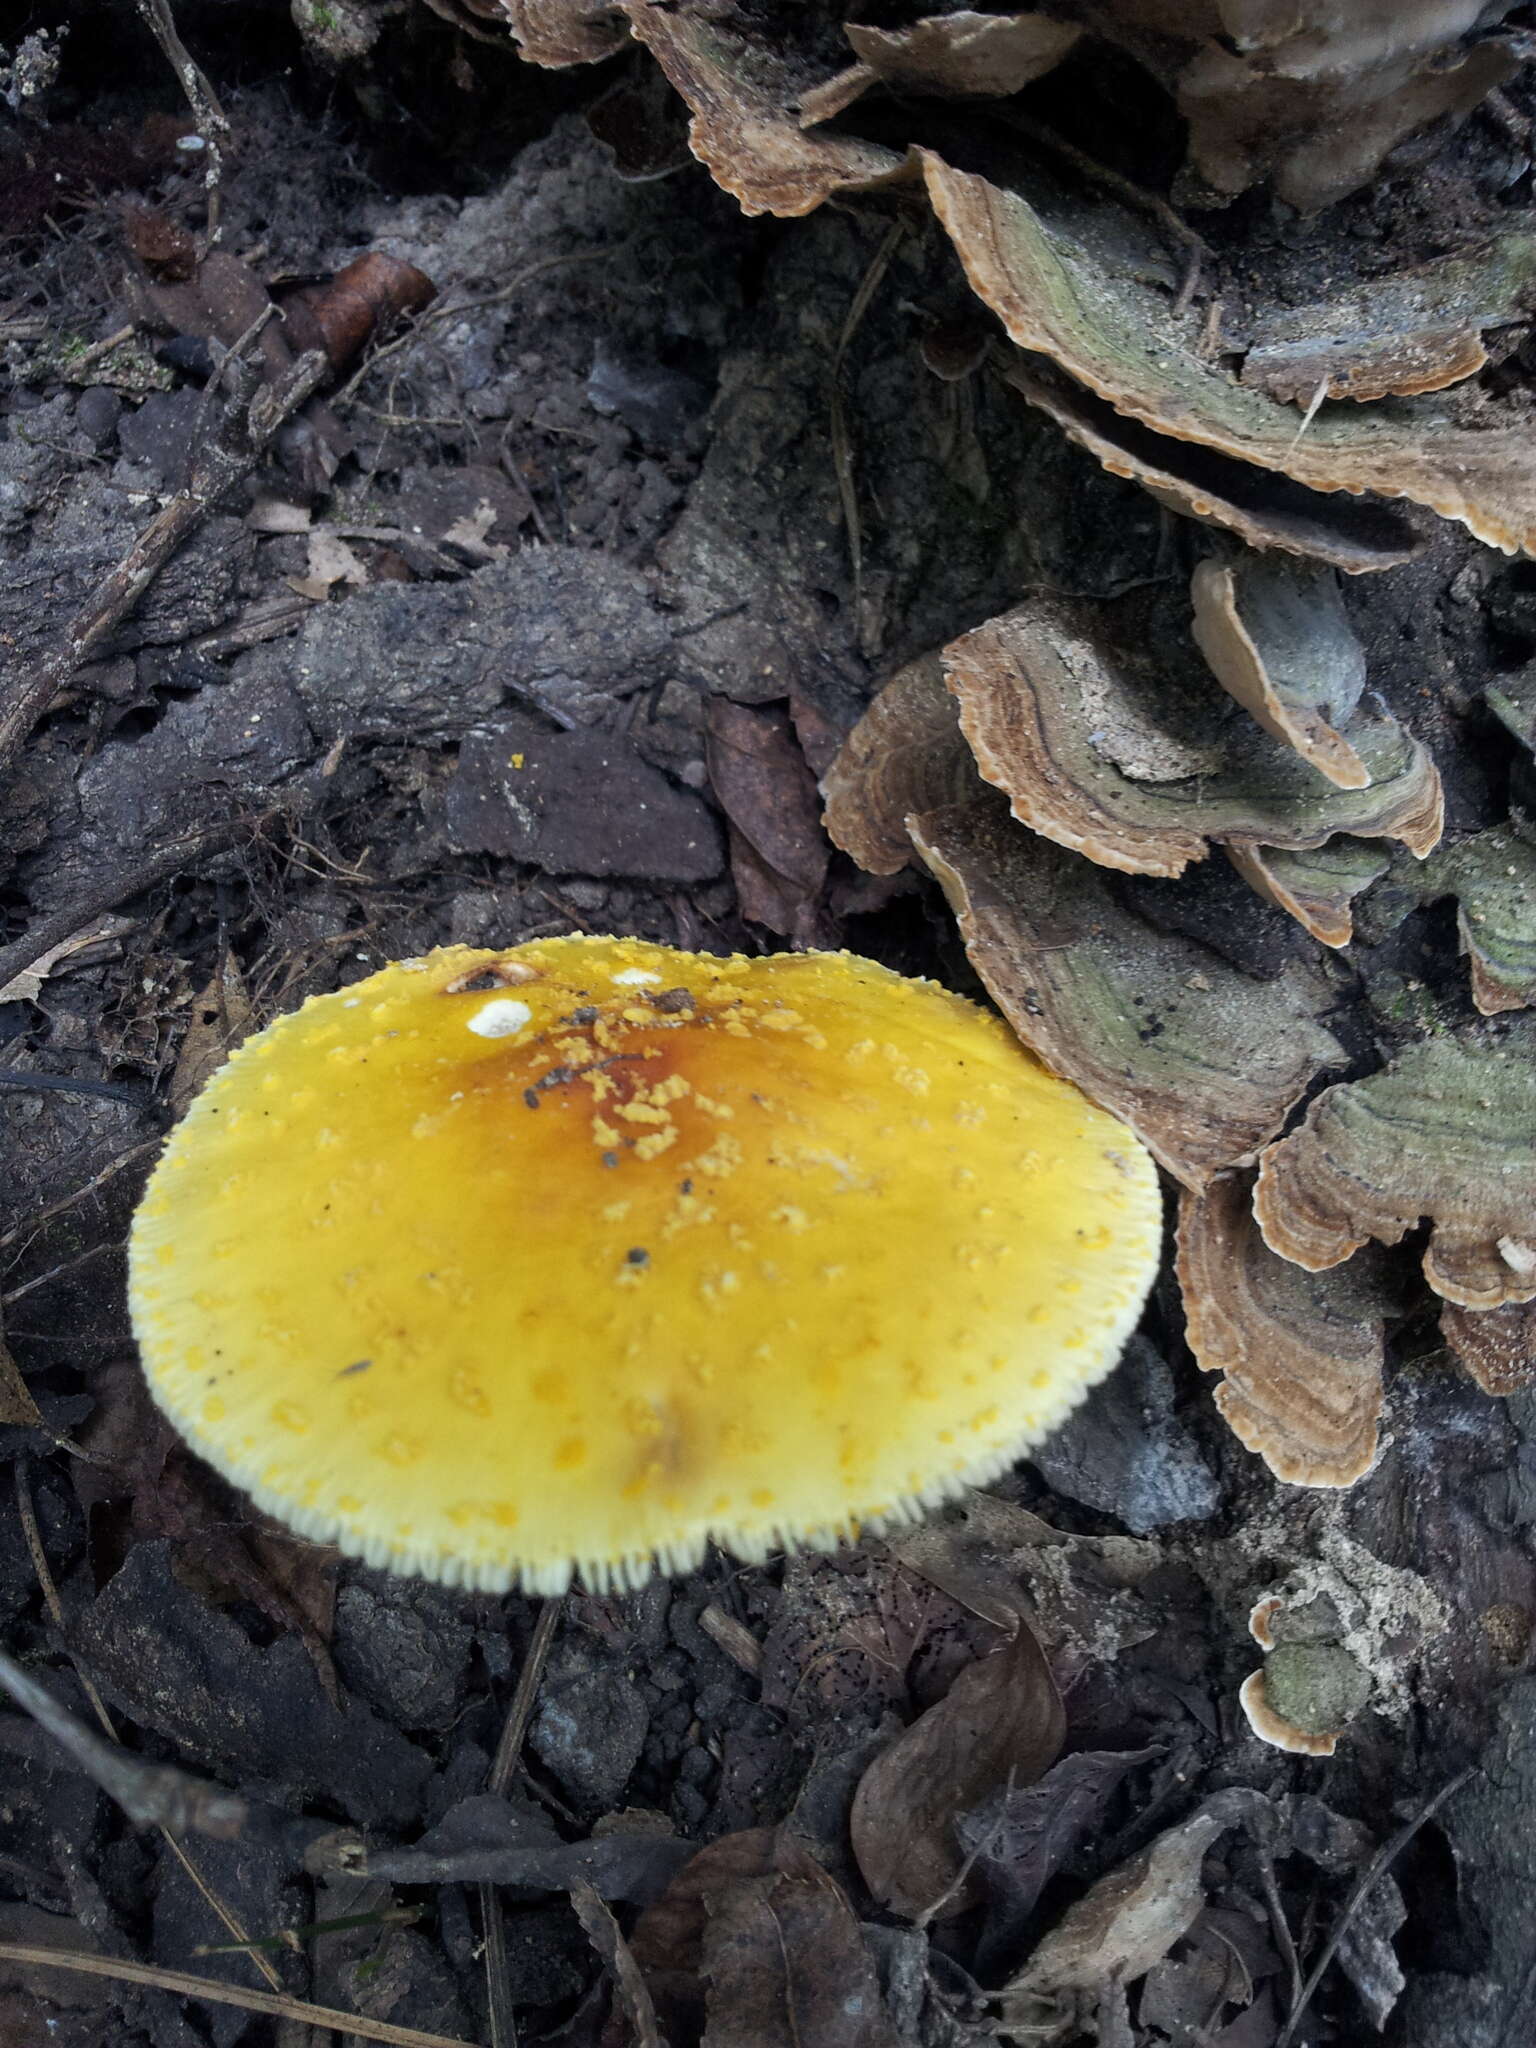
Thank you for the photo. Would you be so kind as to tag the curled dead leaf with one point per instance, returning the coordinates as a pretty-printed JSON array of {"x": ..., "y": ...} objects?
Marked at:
[
  {"x": 363, "y": 300},
  {"x": 1127, "y": 1922},
  {"x": 1000, "y": 1725},
  {"x": 755, "y": 1945}
]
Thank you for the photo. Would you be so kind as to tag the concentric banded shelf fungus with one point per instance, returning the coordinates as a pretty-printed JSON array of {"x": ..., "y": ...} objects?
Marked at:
[{"x": 500, "y": 1265}]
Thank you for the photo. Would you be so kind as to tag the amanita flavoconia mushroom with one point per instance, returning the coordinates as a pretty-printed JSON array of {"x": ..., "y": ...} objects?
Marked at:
[{"x": 497, "y": 1266}]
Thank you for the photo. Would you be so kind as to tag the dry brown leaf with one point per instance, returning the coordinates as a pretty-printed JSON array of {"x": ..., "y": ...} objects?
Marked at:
[
  {"x": 221, "y": 1015},
  {"x": 779, "y": 852},
  {"x": 1082, "y": 1589},
  {"x": 1447, "y": 1132},
  {"x": 1302, "y": 1352},
  {"x": 786, "y": 1965},
  {"x": 1001, "y": 1724},
  {"x": 1125, "y": 1924},
  {"x": 669, "y": 1934},
  {"x": 360, "y": 303},
  {"x": 740, "y": 1876},
  {"x": 1021, "y": 1838}
]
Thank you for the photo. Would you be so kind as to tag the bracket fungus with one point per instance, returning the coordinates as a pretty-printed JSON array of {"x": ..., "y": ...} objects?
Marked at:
[
  {"x": 1259, "y": 507},
  {"x": 1099, "y": 721},
  {"x": 741, "y": 93},
  {"x": 1316, "y": 885},
  {"x": 1343, "y": 1629},
  {"x": 1311, "y": 94},
  {"x": 1277, "y": 640},
  {"x": 1301, "y": 1352},
  {"x": 498, "y": 1266},
  {"x": 1203, "y": 1062},
  {"x": 1086, "y": 283},
  {"x": 1493, "y": 878},
  {"x": 1447, "y": 1132},
  {"x": 1397, "y": 336},
  {"x": 1497, "y": 1346},
  {"x": 906, "y": 755}
]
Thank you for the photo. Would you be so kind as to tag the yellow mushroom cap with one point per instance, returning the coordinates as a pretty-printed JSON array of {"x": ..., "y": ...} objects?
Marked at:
[{"x": 498, "y": 1266}]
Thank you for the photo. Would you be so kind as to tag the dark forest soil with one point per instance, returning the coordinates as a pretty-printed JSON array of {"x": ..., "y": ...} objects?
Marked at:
[{"x": 588, "y": 507}]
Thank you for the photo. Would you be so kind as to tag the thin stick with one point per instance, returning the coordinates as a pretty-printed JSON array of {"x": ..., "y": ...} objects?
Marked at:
[
  {"x": 55, "y": 1606},
  {"x": 278, "y": 2006},
  {"x": 212, "y": 121},
  {"x": 498, "y": 1780},
  {"x": 1280, "y": 1927},
  {"x": 166, "y": 861},
  {"x": 92, "y": 1186},
  {"x": 251, "y": 420},
  {"x": 520, "y": 1712},
  {"x": 150, "y": 1794},
  {"x": 101, "y": 348},
  {"x": 842, "y": 440},
  {"x": 1377, "y": 1868}
]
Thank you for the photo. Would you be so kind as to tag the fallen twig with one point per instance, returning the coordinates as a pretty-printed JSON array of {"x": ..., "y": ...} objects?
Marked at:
[
  {"x": 252, "y": 417},
  {"x": 1379, "y": 1864},
  {"x": 212, "y": 122},
  {"x": 220, "y": 1909},
  {"x": 217, "y": 1993},
  {"x": 168, "y": 859},
  {"x": 152, "y": 1795},
  {"x": 498, "y": 1780}
]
